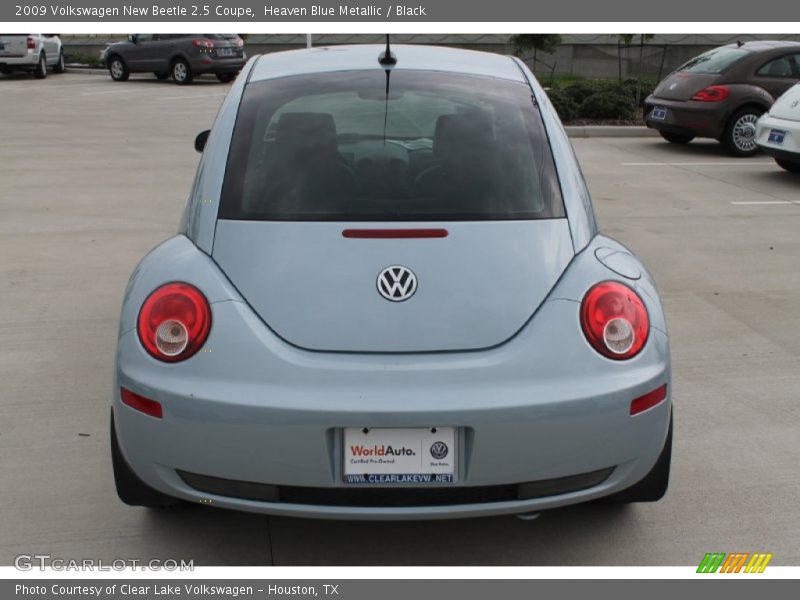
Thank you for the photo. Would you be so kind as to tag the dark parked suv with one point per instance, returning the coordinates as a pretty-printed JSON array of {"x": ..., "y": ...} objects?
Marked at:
[
  {"x": 180, "y": 56},
  {"x": 721, "y": 94}
]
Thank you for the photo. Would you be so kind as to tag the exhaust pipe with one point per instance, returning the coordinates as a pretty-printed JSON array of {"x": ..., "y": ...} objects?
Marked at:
[{"x": 529, "y": 516}]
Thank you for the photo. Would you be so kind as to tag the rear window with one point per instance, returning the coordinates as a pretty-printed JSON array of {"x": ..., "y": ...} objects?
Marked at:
[
  {"x": 715, "y": 61},
  {"x": 436, "y": 146}
]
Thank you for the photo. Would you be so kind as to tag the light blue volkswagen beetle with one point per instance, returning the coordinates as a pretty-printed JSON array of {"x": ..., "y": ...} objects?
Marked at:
[{"x": 389, "y": 300}]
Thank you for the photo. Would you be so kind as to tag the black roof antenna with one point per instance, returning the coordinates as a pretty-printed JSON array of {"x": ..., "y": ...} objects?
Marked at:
[
  {"x": 739, "y": 43},
  {"x": 386, "y": 58}
]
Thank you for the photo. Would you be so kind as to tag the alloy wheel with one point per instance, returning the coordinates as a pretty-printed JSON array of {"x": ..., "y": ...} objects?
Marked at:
[
  {"x": 744, "y": 132},
  {"x": 116, "y": 68}
]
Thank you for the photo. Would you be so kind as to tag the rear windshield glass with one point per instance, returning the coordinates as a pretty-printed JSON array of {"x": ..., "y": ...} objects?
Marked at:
[
  {"x": 714, "y": 61},
  {"x": 436, "y": 146}
]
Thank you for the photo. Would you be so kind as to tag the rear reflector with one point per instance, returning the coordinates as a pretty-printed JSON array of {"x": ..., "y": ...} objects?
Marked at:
[
  {"x": 140, "y": 403},
  {"x": 388, "y": 234},
  {"x": 649, "y": 400}
]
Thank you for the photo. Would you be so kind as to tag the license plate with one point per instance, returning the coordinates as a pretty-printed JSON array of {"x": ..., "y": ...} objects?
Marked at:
[
  {"x": 776, "y": 136},
  {"x": 400, "y": 456},
  {"x": 225, "y": 51},
  {"x": 658, "y": 113}
]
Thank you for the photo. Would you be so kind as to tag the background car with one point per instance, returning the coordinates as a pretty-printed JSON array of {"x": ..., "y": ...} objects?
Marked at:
[
  {"x": 722, "y": 93},
  {"x": 36, "y": 53},
  {"x": 180, "y": 56},
  {"x": 778, "y": 131},
  {"x": 399, "y": 306}
]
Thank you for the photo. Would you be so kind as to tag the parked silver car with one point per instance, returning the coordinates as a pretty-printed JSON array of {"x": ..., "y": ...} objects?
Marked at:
[
  {"x": 389, "y": 300},
  {"x": 37, "y": 53},
  {"x": 180, "y": 56}
]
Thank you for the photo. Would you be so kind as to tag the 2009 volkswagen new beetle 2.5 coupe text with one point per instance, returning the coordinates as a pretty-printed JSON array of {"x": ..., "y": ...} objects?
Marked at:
[{"x": 389, "y": 300}]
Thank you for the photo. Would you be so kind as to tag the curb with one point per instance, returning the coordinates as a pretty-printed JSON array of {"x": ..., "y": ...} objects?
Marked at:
[
  {"x": 84, "y": 70},
  {"x": 611, "y": 131}
]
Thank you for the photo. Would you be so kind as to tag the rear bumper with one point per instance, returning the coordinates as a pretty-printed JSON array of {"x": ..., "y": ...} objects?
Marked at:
[
  {"x": 209, "y": 64},
  {"x": 789, "y": 149},
  {"x": 526, "y": 412},
  {"x": 28, "y": 61},
  {"x": 698, "y": 119}
]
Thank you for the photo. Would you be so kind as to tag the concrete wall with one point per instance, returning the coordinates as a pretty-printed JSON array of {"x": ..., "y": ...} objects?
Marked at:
[{"x": 586, "y": 55}]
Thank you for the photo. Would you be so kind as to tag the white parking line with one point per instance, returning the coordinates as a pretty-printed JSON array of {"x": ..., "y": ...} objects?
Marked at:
[
  {"x": 103, "y": 92},
  {"x": 191, "y": 97},
  {"x": 749, "y": 163},
  {"x": 758, "y": 202}
]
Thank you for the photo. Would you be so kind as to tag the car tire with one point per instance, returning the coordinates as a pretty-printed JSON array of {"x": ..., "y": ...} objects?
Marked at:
[
  {"x": 739, "y": 137},
  {"x": 40, "y": 72},
  {"x": 118, "y": 69},
  {"x": 61, "y": 65},
  {"x": 792, "y": 167},
  {"x": 181, "y": 72},
  {"x": 161, "y": 75},
  {"x": 655, "y": 483},
  {"x": 130, "y": 489},
  {"x": 226, "y": 77},
  {"x": 676, "y": 138}
]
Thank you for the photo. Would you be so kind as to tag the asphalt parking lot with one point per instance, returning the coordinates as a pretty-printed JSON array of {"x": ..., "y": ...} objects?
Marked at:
[{"x": 95, "y": 173}]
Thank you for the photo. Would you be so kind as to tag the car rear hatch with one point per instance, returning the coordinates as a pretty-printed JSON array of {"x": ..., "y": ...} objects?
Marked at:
[
  {"x": 226, "y": 46},
  {"x": 13, "y": 45},
  {"x": 682, "y": 86},
  {"x": 700, "y": 72},
  {"x": 319, "y": 290},
  {"x": 787, "y": 106},
  {"x": 333, "y": 178}
]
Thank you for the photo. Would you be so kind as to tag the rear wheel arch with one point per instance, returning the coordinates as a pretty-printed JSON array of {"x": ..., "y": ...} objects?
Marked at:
[
  {"x": 124, "y": 73},
  {"x": 40, "y": 70},
  {"x": 180, "y": 59},
  {"x": 762, "y": 106}
]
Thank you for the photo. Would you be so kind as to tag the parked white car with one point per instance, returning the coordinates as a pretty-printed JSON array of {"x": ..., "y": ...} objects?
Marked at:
[
  {"x": 778, "y": 131},
  {"x": 37, "y": 53}
]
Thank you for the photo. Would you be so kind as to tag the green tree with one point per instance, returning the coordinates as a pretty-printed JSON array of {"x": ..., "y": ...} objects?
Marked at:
[
  {"x": 627, "y": 39},
  {"x": 538, "y": 42}
]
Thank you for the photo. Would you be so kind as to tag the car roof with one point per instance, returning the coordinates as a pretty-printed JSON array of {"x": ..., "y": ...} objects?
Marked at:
[
  {"x": 365, "y": 56},
  {"x": 764, "y": 45}
]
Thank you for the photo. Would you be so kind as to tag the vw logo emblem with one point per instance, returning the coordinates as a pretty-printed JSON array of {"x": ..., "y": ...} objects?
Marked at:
[
  {"x": 795, "y": 103},
  {"x": 397, "y": 283},
  {"x": 439, "y": 450}
]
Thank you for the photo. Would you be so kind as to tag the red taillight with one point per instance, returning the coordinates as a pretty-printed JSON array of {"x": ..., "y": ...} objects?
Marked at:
[
  {"x": 713, "y": 93},
  {"x": 614, "y": 320},
  {"x": 649, "y": 400},
  {"x": 203, "y": 43},
  {"x": 31, "y": 43},
  {"x": 174, "y": 322},
  {"x": 140, "y": 403}
]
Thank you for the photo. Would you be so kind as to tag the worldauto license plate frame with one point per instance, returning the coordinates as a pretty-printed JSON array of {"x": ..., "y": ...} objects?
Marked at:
[{"x": 400, "y": 456}]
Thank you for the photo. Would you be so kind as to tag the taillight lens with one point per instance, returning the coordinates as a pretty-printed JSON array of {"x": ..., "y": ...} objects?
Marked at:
[
  {"x": 142, "y": 404},
  {"x": 174, "y": 322},
  {"x": 713, "y": 93},
  {"x": 239, "y": 42},
  {"x": 31, "y": 43},
  {"x": 203, "y": 43},
  {"x": 649, "y": 400},
  {"x": 614, "y": 320}
]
